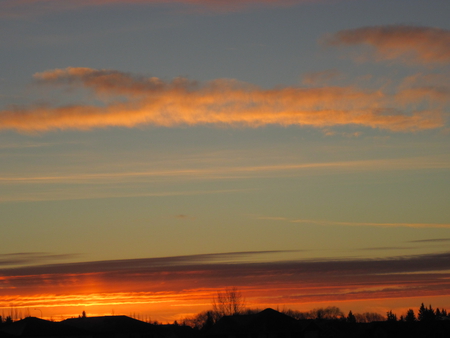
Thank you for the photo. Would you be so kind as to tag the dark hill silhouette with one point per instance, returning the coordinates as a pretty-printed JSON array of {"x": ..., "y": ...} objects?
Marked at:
[
  {"x": 264, "y": 322},
  {"x": 36, "y": 327},
  {"x": 123, "y": 326},
  {"x": 111, "y": 325}
]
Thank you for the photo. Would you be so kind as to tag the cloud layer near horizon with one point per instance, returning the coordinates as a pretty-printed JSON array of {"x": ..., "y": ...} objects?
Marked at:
[
  {"x": 407, "y": 43},
  {"x": 196, "y": 277},
  {"x": 132, "y": 101}
]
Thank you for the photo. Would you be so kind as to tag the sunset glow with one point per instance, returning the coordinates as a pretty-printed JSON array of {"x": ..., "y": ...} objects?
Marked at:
[
  {"x": 154, "y": 153},
  {"x": 192, "y": 285}
]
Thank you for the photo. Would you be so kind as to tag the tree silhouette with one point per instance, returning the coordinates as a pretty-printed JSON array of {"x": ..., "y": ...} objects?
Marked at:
[
  {"x": 351, "y": 318},
  {"x": 330, "y": 312},
  {"x": 228, "y": 302},
  {"x": 426, "y": 314},
  {"x": 368, "y": 317},
  {"x": 201, "y": 320},
  {"x": 410, "y": 316},
  {"x": 210, "y": 320},
  {"x": 391, "y": 317},
  {"x": 422, "y": 312},
  {"x": 438, "y": 313}
]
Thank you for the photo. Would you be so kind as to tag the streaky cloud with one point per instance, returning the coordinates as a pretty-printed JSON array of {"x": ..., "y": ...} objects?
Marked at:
[
  {"x": 26, "y": 8},
  {"x": 184, "y": 276},
  {"x": 150, "y": 263},
  {"x": 50, "y": 196},
  {"x": 26, "y": 258},
  {"x": 230, "y": 172},
  {"x": 416, "y": 44},
  {"x": 134, "y": 101},
  {"x": 371, "y": 224},
  {"x": 383, "y": 248},
  {"x": 431, "y": 240}
]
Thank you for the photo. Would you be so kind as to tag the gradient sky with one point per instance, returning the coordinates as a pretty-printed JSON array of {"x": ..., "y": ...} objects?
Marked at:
[{"x": 153, "y": 152}]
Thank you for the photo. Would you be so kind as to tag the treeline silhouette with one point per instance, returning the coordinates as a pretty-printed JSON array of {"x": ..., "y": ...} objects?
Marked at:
[
  {"x": 239, "y": 322},
  {"x": 5, "y": 321},
  {"x": 204, "y": 320},
  {"x": 233, "y": 305},
  {"x": 231, "y": 302}
]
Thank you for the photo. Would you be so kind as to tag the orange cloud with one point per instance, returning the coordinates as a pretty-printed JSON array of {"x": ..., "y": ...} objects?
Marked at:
[
  {"x": 412, "y": 43},
  {"x": 431, "y": 88},
  {"x": 132, "y": 101}
]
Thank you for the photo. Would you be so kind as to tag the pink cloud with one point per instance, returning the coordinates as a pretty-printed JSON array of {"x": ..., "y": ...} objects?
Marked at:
[{"x": 425, "y": 45}]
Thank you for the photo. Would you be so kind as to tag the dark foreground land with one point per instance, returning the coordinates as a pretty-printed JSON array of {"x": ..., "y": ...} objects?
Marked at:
[{"x": 265, "y": 324}]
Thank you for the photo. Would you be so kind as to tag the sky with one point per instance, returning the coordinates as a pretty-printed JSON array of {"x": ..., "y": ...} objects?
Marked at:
[{"x": 155, "y": 152}]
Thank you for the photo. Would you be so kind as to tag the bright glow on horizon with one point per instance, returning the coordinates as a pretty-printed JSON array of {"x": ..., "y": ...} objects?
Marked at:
[{"x": 156, "y": 288}]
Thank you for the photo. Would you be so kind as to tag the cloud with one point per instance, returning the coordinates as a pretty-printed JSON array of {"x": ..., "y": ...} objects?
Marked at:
[
  {"x": 40, "y": 186},
  {"x": 135, "y": 101},
  {"x": 315, "y": 78},
  {"x": 432, "y": 240},
  {"x": 24, "y": 145},
  {"x": 371, "y": 224},
  {"x": 26, "y": 258},
  {"x": 185, "y": 278},
  {"x": 81, "y": 194},
  {"x": 416, "y": 44},
  {"x": 384, "y": 248},
  {"x": 236, "y": 172},
  {"x": 133, "y": 264},
  {"x": 24, "y": 8},
  {"x": 431, "y": 87}
]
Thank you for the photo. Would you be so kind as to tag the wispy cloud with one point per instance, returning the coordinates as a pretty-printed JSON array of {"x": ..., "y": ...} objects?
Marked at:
[
  {"x": 21, "y": 8},
  {"x": 27, "y": 258},
  {"x": 431, "y": 240},
  {"x": 133, "y": 101},
  {"x": 128, "y": 183},
  {"x": 321, "y": 77},
  {"x": 415, "y": 44},
  {"x": 86, "y": 195},
  {"x": 24, "y": 145},
  {"x": 384, "y": 248},
  {"x": 146, "y": 264},
  {"x": 371, "y": 224},
  {"x": 239, "y": 171}
]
